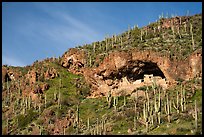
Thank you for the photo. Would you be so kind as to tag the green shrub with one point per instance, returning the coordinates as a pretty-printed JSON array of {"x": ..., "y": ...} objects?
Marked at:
[{"x": 23, "y": 120}]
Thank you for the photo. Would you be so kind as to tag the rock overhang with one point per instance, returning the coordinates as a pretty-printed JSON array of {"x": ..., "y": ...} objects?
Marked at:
[{"x": 132, "y": 65}]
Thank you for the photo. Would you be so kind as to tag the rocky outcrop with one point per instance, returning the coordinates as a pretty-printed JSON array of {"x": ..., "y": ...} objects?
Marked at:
[
  {"x": 123, "y": 71},
  {"x": 10, "y": 74},
  {"x": 74, "y": 60},
  {"x": 51, "y": 73},
  {"x": 187, "y": 69},
  {"x": 166, "y": 23},
  {"x": 5, "y": 75},
  {"x": 176, "y": 21},
  {"x": 31, "y": 76}
]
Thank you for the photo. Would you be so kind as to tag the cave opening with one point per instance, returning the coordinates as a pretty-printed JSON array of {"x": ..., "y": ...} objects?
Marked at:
[
  {"x": 138, "y": 71},
  {"x": 148, "y": 68}
]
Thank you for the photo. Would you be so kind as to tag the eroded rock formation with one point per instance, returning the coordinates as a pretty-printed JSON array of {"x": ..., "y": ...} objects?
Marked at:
[
  {"x": 74, "y": 60},
  {"x": 122, "y": 72},
  {"x": 51, "y": 73}
]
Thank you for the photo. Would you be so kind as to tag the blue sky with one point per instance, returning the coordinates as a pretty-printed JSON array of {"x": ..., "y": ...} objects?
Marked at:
[{"x": 36, "y": 30}]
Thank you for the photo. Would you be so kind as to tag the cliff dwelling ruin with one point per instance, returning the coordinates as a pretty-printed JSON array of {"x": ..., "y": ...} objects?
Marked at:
[{"x": 129, "y": 79}]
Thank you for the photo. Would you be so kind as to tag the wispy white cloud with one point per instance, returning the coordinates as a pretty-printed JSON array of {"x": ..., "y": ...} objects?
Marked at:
[
  {"x": 51, "y": 32},
  {"x": 67, "y": 27}
]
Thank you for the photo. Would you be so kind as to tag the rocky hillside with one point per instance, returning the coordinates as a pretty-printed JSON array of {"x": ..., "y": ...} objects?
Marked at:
[
  {"x": 144, "y": 81},
  {"x": 166, "y": 48}
]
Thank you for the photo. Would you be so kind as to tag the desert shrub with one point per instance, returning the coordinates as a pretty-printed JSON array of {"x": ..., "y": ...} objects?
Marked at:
[
  {"x": 23, "y": 120},
  {"x": 181, "y": 129},
  {"x": 144, "y": 88}
]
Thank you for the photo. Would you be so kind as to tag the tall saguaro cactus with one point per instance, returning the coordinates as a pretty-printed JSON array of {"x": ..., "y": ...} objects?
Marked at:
[
  {"x": 168, "y": 109},
  {"x": 77, "y": 118},
  {"x": 191, "y": 31},
  {"x": 8, "y": 93},
  {"x": 29, "y": 102},
  {"x": 45, "y": 101},
  {"x": 178, "y": 30},
  {"x": 94, "y": 47},
  {"x": 147, "y": 98},
  {"x": 172, "y": 28},
  {"x": 141, "y": 35},
  {"x": 88, "y": 123},
  {"x": 124, "y": 102},
  {"x": 182, "y": 99},
  {"x": 157, "y": 106},
  {"x": 106, "y": 39},
  {"x": 19, "y": 90},
  {"x": 55, "y": 95},
  {"x": 135, "y": 101},
  {"x": 145, "y": 116},
  {"x": 7, "y": 124},
  {"x": 195, "y": 116},
  {"x": 185, "y": 27},
  {"x": 121, "y": 41},
  {"x": 112, "y": 41},
  {"x": 109, "y": 99},
  {"x": 97, "y": 128},
  {"x": 135, "y": 124},
  {"x": 59, "y": 100},
  {"x": 176, "y": 106},
  {"x": 115, "y": 102}
]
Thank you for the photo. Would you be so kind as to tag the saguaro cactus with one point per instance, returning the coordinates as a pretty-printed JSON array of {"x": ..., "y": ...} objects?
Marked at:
[
  {"x": 178, "y": 32},
  {"x": 88, "y": 123},
  {"x": 102, "y": 127},
  {"x": 39, "y": 107},
  {"x": 29, "y": 102},
  {"x": 115, "y": 40},
  {"x": 191, "y": 31},
  {"x": 45, "y": 101},
  {"x": 19, "y": 90},
  {"x": 152, "y": 115},
  {"x": 97, "y": 128},
  {"x": 64, "y": 131},
  {"x": 172, "y": 28},
  {"x": 135, "y": 101},
  {"x": 141, "y": 35},
  {"x": 115, "y": 102},
  {"x": 55, "y": 95},
  {"x": 135, "y": 124},
  {"x": 168, "y": 109},
  {"x": 185, "y": 27},
  {"x": 176, "y": 106},
  {"x": 112, "y": 41},
  {"x": 8, "y": 93},
  {"x": 157, "y": 106},
  {"x": 124, "y": 103},
  {"x": 94, "y": 47},
  {"x": 121, "y": 41},
  {"x": 59, "y": 100},
  {"x": 77, "y": 118},
  {"x": 182, "y": 99},
  {"x": 109, "y": 99},
  {"x": 195, "y": 116},
  {"x": 90, "y": 60},
  {"x": 147, "y": 98},
  {"x": 106, "y": 44},
  {"x": 145, "y": 116},
  {"x": 7, "y": 125}
]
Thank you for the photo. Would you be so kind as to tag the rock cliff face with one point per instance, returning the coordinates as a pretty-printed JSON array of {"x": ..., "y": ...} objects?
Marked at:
[
  {"x": 121, "y": 72},
  {"x": 74, "y": 60}
]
